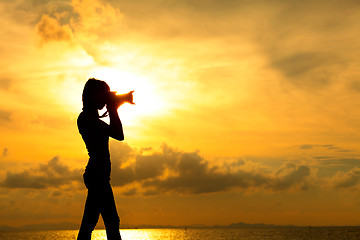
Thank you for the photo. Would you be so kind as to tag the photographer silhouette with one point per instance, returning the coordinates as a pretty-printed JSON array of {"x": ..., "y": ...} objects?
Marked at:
[{"x": 95, "y": 133}]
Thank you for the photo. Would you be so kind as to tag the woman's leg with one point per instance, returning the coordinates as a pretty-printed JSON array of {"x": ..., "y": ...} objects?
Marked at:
[
  {"x": 110, "y": 215},
  {"x": 91, "y": 215}
]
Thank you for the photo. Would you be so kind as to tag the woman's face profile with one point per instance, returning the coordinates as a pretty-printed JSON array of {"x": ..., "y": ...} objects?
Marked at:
[{"x": 100, "y": 100}]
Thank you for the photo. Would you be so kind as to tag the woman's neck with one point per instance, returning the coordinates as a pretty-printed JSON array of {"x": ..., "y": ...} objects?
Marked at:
[{"x": 91, "y": 111}]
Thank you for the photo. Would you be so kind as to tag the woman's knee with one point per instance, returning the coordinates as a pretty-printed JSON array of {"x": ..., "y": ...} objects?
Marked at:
[{"x": 111, "y": 220}]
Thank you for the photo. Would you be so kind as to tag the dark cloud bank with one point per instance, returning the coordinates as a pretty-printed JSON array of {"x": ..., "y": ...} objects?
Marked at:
[
  {"x": 52, "y": 174},
  {"x": 149, "y": 172},
  {"x": 187, "y": 172}
]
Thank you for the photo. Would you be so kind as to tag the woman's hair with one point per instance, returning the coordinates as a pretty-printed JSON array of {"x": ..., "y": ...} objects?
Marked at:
[{"x": 92, "y": 90}]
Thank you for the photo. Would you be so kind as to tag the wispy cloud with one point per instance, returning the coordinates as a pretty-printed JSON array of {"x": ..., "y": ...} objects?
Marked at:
[
  {"x": 312, "y": 146},
  {"x": 5, "y": 152},
  {"x": 5, "y": 116},
  {"x": 50, "y": 29}
]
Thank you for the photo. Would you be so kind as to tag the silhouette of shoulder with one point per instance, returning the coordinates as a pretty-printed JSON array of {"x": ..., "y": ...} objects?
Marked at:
[{"x": 88, "y": 123}]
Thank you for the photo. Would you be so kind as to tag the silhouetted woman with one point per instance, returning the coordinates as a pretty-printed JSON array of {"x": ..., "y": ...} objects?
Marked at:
[{"x": 96, "y": 133}]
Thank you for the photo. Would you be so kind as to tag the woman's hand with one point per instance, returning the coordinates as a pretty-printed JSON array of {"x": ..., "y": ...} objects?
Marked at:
[{"x": 111, "y": 102}]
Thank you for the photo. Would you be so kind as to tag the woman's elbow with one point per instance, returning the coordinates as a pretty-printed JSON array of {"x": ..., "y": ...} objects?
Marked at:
[{"x": 119, "y": 137}]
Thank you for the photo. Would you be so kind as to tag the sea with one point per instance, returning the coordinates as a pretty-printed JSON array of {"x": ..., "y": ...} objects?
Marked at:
[{"x": 289, "y": 233}]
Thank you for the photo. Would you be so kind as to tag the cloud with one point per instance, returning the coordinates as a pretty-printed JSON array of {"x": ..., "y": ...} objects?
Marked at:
[
  {"x": 97, "y": 25},
  {"x": 50, "y": 29},
  {"x": 290, "y": 175},
  {"x": 311, "y": 146},
  {"x": 311, "y": 44},
  {"x": 330, "y": 147},
  {"x": 305, "y": 69},
  {"x": 130, "y": 192},
  {"x": 171, "y": 170},
  {"x": 300, "y": 63},
  {"x": 168, "y": 170},
  {"x": 333, "y": 164},
  {"x": 194, "y": 176},
  {"x": 5, "y": 152},
  {"x": 88, "y": 24},
  {"x": 96, "y": 17},
  {"x": 30, "y": 11},
  {"x": 143, "y": 166},
  {"x": 337, "y": 162},
  {"x": 5, "y": 116},
  {"x": 5, "y": 84},
  {"x": 53, "y": 174},
  {"x": 347, "y": 179}
]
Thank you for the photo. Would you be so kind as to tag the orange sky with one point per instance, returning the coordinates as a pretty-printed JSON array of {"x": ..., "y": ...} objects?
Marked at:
[{"x": 245, "y": 111}]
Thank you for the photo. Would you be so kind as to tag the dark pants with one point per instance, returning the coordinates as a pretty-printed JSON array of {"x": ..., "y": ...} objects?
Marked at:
[{"x": 100, "y": 200}]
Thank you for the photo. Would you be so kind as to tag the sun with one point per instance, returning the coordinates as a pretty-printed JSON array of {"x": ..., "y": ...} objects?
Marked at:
[{"x": 147, "y": 98}]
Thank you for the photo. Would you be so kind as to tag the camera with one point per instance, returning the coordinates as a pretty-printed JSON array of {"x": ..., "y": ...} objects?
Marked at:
[{"x": 119, "y": 99}]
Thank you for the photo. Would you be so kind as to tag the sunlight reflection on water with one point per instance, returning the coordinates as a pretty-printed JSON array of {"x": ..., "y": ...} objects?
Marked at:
[
  {"x": 144, "y": 234},
  {"x": 300, "y": 233}
]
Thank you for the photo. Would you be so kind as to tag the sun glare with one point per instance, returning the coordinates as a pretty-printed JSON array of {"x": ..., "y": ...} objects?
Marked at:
[{"x": 147, "y": 100}]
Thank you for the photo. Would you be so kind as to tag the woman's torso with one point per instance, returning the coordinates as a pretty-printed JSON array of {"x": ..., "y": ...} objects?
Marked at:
[{"x": 95, "y": 134}]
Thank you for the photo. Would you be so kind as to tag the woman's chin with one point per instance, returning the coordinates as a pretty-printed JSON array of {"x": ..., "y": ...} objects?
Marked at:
[{"x": 100, "y": 107}]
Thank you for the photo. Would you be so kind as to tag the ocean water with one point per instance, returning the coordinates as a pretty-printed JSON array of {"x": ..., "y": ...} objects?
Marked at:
[{"x": 299, "y": 233}]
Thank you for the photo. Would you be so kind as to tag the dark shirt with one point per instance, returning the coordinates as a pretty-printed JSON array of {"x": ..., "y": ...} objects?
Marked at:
[{"x": 95, "y": 134}]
